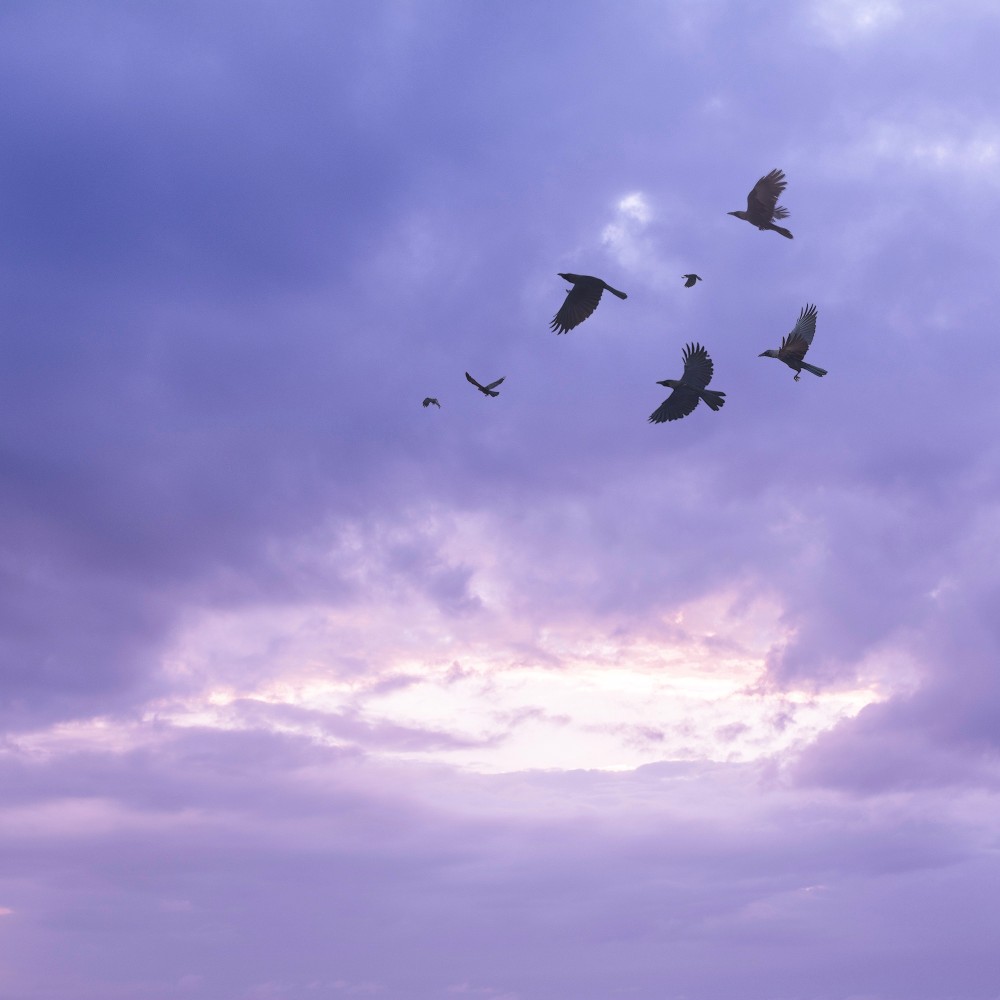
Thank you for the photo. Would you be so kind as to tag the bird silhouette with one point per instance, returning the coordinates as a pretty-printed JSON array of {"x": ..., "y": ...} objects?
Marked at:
[
  {"x": 762, "y": 203},
  {"x": 486, "y": 390},
  {"x": 690, "y": 279},
  {"x": 581, "y": 300},
  {"x": 431, "y": 400},
  {"x": 795, "y": 344},
  {"x": 689, "y": 388}
]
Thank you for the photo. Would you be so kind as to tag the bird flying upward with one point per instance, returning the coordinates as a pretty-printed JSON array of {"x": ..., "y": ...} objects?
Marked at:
[
  {"x": 690, "y": 279},
  {"x": 486, "y": 390},
  {"x": 581, "y": 300},
  {"x": 762, "y": 203},
  {"x": 689, "y": 388},
  {"x": 431, "y": 400},
  {"x": 795, "y": 344}
]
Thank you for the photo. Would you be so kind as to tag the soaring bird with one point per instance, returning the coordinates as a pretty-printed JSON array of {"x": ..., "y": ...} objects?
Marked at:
[
  {"x": 690, "y": 279},
  {"x": 486, "y": 390},
  {"x": 581, "y": 300},
  {"x": 429, "y": 400},
  {"x": 689, "y": 388},
  {"x": 795, "y": 344},
  {"x": 762, "y": 203}
]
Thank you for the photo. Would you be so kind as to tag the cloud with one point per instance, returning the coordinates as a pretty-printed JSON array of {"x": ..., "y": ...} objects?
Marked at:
[{"x": 846, "y": 22}]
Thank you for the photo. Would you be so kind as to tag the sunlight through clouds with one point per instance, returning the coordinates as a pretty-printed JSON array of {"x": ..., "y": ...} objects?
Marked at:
[{"x": 583, "y": 699}]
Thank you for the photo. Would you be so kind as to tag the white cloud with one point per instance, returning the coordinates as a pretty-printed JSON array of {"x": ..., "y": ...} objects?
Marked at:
[{"x": 846, "y": 21}]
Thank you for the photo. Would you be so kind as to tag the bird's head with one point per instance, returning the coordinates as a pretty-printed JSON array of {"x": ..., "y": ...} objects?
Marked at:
[
  {"x": 739, "y": 215},
  {"x": 670, "y": 383},
  {"x": 768, "y": 354},
  {"x": 571, "y": 278}
]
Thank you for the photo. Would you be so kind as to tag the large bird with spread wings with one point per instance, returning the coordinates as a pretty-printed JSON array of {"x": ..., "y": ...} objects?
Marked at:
[
  {"x": 486, "y": 390},
  {"x": 795, "y": 344},
  {"x": 581, "y": 300},
  {"x": 689, "y": 388},
  {"x": 762, "y": 203}
]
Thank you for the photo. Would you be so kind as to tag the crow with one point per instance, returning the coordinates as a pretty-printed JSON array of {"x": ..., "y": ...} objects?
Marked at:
[
  {"x": 431, "y": 400},
  {"x": 486, "y": 390},
  {"x": 689, "y": 388},
  {"x": 762, "y": 203},
  {"x": 795, "y": 344},
  {"x": 581, "y": 301},
  {"x": 690, "y": 279}
]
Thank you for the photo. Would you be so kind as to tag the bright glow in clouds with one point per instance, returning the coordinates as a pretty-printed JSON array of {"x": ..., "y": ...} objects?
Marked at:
[
  {"x": 579, "y": 699},
  {"x": 626, "y": 239},
  {"x": 844, "y": 21}
]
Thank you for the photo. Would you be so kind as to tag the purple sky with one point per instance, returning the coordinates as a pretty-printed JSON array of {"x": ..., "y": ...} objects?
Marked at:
[{"x": 310, "y": 693}]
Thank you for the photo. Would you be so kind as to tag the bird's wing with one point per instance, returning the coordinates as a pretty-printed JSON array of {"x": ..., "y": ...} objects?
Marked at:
[
  {"x": 766, "y": 192},
  {"x": 493, "y": 385},
  {"x": 473, "y": 381},
  {"x": 581, "y": 301},
  {"x": 797, "y": 342},
  {"x": 697, "y": 366},
  {"x": 678, "y": 404}
]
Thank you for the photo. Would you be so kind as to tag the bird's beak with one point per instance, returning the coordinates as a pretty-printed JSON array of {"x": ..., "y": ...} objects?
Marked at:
[
  {"x": 730, "y": 213},
  {"x": 763, "y": 354}
]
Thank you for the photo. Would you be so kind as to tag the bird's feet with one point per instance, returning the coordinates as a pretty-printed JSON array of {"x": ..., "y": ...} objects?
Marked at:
[{"x": 797, "y": 377}]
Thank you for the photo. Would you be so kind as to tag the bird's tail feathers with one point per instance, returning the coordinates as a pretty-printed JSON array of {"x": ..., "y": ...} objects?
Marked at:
[
  {"x": 784, "y": 232},
  {"x": 490, "y": 392},
  {"x": 614, "y": 291},
  {"x": 812, "y": 368},
  {"x": 713, "y": 399}
]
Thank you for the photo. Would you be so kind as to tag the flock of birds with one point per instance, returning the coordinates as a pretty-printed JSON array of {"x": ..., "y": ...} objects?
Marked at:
[{"x": 691, "y": 388}]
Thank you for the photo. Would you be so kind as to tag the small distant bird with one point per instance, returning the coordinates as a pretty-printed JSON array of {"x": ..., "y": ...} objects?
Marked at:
[
  {"x": 486, "y": 390},
  {"x": 431, "y": 400},
  {"x": 795, "y": 344},
  {"x": 689, "y": 388},
  {"x": 581, "y": 300},
  {"x": 762, "y": 203},
  {"x": 690, "y": 279}
]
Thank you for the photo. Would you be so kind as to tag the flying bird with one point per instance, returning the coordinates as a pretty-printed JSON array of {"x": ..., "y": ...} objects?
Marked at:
[
  {"x": 762, "y": 203},
  {"x": 689, "y": 388},
  {"x": 581, "y": 300},
  {"x": 690, "y": 279},
  {"x": 486, "y": 390},
  {"x": 431, "y": 400},
  {"x": 795, "y": 344}
]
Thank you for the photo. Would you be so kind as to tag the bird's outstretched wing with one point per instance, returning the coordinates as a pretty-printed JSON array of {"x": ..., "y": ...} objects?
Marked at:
[
  {"x": 698, "y": 368},
  {"x": 797, "y": 342},
  {"x": 765, "y": 194},
  {"x": 493, "y": 385},
  {"x": 678, "y": 404},
  {"x": 474, "y": 382},
  {"x": 581, "y": 301}
]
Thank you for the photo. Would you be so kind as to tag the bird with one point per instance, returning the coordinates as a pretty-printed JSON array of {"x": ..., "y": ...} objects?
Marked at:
[
  {"x": 431, "y": 400},
  {"x": 762, "y": 203},
  {"x": 795, "y": 344},
  {"x": 486, "y": 390},
  {"x": 581, "y": 300},
  {"x": 689, "y": 388},
  {"x": 690, "y": 279}
]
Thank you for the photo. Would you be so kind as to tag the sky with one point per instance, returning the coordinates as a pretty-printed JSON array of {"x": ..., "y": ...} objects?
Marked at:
[{"x": 308, "y": 692}]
